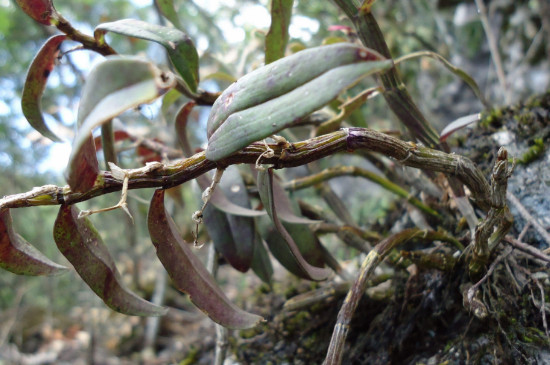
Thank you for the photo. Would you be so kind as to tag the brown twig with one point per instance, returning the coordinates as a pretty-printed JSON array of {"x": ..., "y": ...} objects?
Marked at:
[
  {"x": 528, "y": 217},
  {"x": 527, "y": 249},
  {"x": 299, "y": 153}
]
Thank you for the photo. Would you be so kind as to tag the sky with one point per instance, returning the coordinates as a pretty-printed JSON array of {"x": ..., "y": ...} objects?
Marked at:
[{"x": 251, "y": 15}]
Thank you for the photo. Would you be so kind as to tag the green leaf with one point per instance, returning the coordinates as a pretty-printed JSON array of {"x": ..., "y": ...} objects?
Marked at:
[
  {"x": 277, "y": 37},
  {"x": 113, "y": 86},
  {"x": 19, "y": 256},
  {"x": 188, "y": 273},
  {"x": 261, "y": 264},
  {"x": 81, "y": 244},
  {"x": 40, "y": 10},
  {"x": 263, "y": 120},
  {"x": 233, "y": 235},
  {"x": 181, "y": 49},
  {"x": 167, "y": 9},
  {"x": 293, "y": 255},
  {"x": 35, "y": 84}
]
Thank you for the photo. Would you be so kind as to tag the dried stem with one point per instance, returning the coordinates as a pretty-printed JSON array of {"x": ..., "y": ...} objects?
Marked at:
[
  {"x": 295, "y": 154},
  {"x": 499, "y": 219},
  {"x": 336, "y": 348}
]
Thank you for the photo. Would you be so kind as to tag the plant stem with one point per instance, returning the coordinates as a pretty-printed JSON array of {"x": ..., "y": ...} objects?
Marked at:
[
  {"x": 289, "y": 155},
  {"x": 333, "y": 172}
]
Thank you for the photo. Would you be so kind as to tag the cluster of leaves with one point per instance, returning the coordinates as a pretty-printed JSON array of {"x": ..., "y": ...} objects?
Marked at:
[{"x": 282, "y": 94}]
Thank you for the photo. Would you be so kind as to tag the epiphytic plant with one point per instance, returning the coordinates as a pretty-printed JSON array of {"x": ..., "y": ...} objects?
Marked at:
[{"x": 282, "y": 94}]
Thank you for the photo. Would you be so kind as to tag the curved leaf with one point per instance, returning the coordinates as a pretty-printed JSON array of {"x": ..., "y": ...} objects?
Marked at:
[
  {"x": 265, "y": 188},
  {"x": 220, "y": 201},
  {"x": 188, "y": 273},
  {"x": 181, "y": 127},
  {"x": 277, "y": 37},
  {"x": 40, "y": 10},
  {"x": 114, "y": 86},
  {"x": 261, "y": 264},
  {"x": 19, "y": 256},
  {"x": 285, "y": 211},
  {"x": 167, "y": 9},
  {"x": 35, "y": 84},
  {"x": 81, "y": 244},
  {"x": 83, "y": 167},
  {"x": 180, "y": 47},
  {"x": 232, "y": 235},
  {"x": 457, "y": 125}
]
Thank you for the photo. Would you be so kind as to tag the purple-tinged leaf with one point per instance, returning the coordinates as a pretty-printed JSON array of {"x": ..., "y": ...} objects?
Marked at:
[
  {"x": 35, "y": 84},
  {"x": 277, "y": 37},
  {"x": 188, "y": 273},
  {"x": 180, "y": 47},
  {"x": 83, "y": 167},
  {"x": 265, "y": 188},
  {"x": 81, "y": 244},
  {"x": 181, "y": 127},
  {"x": 19, "y": 256},
  {"x": 42, "y": 11},
  {"x": 458, "y": 124}
]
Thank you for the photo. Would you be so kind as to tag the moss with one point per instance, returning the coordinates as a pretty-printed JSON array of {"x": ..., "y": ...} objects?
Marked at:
[
  {"x": 191, "y": 358},
  {"x": 297, "y": 322},
  {"x": 534, "y": 152}
]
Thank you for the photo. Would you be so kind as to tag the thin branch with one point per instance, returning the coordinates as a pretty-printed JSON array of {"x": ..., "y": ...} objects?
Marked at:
[
  {"x": 527, "y": 249},
  {"x": 493, "y": 47},
  {"x": 289, "y": 155},
  {"x": 333, "y": 172},
  {"x": 528, "y": 217}
]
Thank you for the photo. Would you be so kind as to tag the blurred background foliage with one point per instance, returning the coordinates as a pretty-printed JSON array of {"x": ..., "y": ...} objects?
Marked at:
[{"x": 229, "y": 36}]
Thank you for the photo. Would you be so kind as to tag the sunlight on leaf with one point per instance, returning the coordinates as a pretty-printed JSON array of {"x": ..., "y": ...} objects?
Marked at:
[
  {"x": 113, "y": 86},
  {"x": 179, "y": 46},
  {"x": 42, "y": 11}
]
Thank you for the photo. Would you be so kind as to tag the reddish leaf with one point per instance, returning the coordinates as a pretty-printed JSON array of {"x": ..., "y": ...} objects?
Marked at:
[
  {"x": 82, "y": 245},
  {"x": 35, "y": 84},
  {"x": 119, "y": 136},
  {"x": 148, "y": 155},
  {"x": 40, "y": 10},
  {"x": 265, "y": 188},
  {"x": 83, "y": 168},
  {"x": 181, "y": 127},
  {"x": 188, "y": 273},
  {"x": 19, "y": 256}
]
